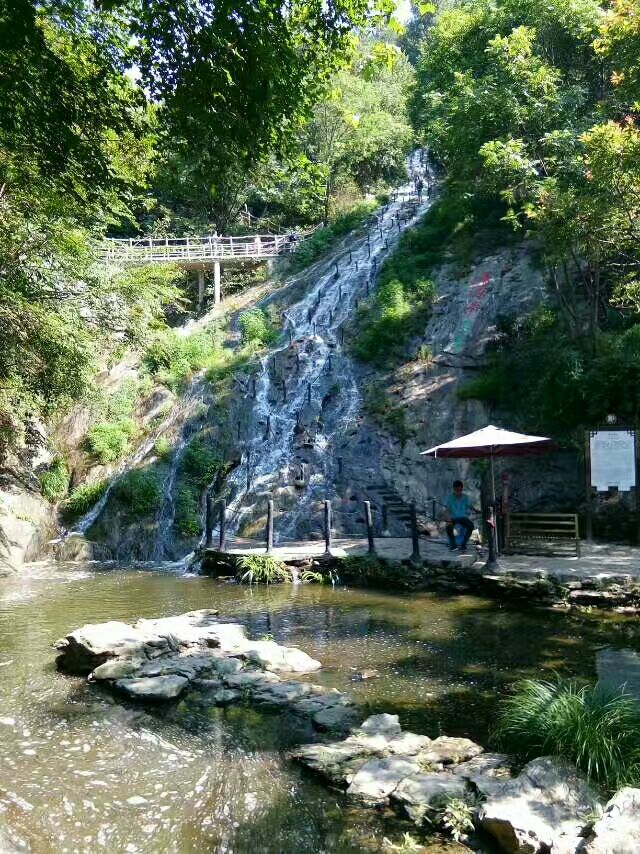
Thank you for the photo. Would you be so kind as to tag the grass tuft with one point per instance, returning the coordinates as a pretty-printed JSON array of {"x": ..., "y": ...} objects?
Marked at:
[
  {"x": 596, "y": 729},
  {"x": 262, "y": 569}
]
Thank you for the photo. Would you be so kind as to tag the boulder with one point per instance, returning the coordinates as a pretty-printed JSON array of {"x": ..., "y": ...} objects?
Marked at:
[
  {"x": 252, "y": 680},
  {"x": 335, "y": 718},
  {"x": 93, "y": 644},
  {"x": 485, "y": 773},
  {"x": 154, "y": 687},
  {"x": 408, "y": 743},
  {"x": 447, "y": 751},
  {"x": 377, "y": 778},
  {"x": 272, "y": 656},
  {"x": 415, "y": 795},
  {"x": 381, "y": 725},
  {"x": 337, "y": 762},
  {"x": 545, "y": 808},
  {"x": 618, "y": 831}
]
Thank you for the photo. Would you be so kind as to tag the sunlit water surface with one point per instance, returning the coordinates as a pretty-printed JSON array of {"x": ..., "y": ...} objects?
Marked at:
[{"x": 80, "y": 771}]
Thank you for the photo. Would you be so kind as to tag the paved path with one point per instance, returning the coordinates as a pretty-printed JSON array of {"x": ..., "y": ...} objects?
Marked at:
[
  {"x": 598, "y": 560},
  {"x": 394, "y": 548}
]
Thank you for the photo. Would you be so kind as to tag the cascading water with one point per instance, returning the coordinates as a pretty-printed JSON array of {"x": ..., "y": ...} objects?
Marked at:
[{"x": 305, "y": 394}]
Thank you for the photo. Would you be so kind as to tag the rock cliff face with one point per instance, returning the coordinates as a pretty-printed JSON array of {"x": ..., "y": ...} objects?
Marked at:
[
  {"x": 26, "y": 518},
  {"x": 424, "y": 392}
]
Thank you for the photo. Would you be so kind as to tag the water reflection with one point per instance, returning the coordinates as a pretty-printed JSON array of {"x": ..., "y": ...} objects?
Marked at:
[{"x": 81, "y": 772}]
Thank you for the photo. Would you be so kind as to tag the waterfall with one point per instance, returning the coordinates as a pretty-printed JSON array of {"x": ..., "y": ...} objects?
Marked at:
[{"x": 289, "y": 436}]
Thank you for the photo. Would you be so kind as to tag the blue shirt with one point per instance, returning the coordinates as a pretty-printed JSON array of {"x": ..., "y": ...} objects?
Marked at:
[{"x": 458, "y": 506}]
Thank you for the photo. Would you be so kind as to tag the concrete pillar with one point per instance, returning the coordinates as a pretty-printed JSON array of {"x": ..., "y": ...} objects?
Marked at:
[
  {"x": 216, "y": 283},
  {"x": 200, "y": 289}
]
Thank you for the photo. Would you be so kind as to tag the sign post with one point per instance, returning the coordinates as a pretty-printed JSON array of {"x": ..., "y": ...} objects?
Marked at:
[{"x": 611, "y": 456}]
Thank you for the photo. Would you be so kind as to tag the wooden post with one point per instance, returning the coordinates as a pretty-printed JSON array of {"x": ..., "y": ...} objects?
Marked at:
[
  {"x": 588, "y": 490},
  {"x": 329, "y": 363},
  {"x": 208, "y": 525},
  {"x": 385, "y": 520},
  {"x": 248, "y": 470},
  {"x": 223, "y": 525},
  {"x": 217, "y": 292},
  {"x": 297, "y": 363},
  {"x": 350, "y": 256},
  {"x": 269, "y": 526},
  {"x": 356, "y": 266},
  {"x": 636, "y": 434},
  {"x": 200, "y": 289},
  {"x": 327, "y": 527},
  {"x": 369, "y": 521},
  {"x": 284, "y": 391},
  {"x": 253, "y": 388},
  {"x": 415, "y": 539},
  {"x": 330, "y": 316},
  {"x": 308, "y": 392},
  {"x": 267, "y": 432},
  {"x": 340, "y": 463}
]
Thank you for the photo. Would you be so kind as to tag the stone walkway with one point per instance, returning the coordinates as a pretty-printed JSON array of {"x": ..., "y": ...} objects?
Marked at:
[
  {"x": 391, "y": 548},
  {"x": 600, "y": 561}
]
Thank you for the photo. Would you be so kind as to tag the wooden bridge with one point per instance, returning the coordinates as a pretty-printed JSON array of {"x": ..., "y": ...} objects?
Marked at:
[{"x": 197, "y": 252}]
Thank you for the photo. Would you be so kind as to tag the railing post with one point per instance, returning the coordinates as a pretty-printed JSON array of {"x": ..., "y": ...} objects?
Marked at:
[
  {"x": 327, "y": 527},
  {"x": 269, "y": 526},
  {"x": 223, "y": 525},
  {"x": 415, "y": 539},
  {"x": 369, "y": 521}
]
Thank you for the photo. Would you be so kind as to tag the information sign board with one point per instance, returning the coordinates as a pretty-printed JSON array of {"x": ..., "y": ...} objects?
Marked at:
[{"x": 613, "y": 460}]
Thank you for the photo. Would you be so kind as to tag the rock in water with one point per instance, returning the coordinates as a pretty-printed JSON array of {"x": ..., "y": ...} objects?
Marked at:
[
  {"x": 545, "y": 808},
  {"x": 618, "y": 831},
  {"x": 153, "y": 688},
  {"x": 416, "y": 794},
  {"x": 376, "y": 779},
  {"x": 447, "y": 751}
]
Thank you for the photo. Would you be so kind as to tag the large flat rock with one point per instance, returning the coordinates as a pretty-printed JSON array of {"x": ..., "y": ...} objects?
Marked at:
[
  {"x": 415, "y": 795},
  {"x": 618, "y": 831},
  {"x": 377, "y": 778},
  {"x": 545, "y": 808}
]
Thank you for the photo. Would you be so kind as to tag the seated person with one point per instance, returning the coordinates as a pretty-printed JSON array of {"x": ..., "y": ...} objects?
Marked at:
[{"x": 458, "y": 507}]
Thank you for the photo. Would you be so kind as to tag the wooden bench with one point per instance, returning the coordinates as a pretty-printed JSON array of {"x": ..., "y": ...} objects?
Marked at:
[{"x": 542, "y": 533}]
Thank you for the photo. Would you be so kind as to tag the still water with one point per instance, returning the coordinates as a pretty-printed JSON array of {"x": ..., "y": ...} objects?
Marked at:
[{"x": 81, "y": 772}]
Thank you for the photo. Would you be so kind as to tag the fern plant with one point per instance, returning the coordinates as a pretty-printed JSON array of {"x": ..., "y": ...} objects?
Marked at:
[{"x": 262, "y": 569}]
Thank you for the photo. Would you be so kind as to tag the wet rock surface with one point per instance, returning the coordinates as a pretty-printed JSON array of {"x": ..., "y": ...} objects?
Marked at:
[
  {"x": 547, "y": 807},
  {"x": 618, "y": 830},
  {"x": 159, "y": 660}
]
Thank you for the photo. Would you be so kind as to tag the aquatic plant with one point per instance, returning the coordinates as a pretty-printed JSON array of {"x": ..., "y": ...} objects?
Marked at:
[
  {"x": 457, "y": 818},
  {"x": 595, "y": 728},
  {"x": 262, "y": 569},
  {"x": 407, "y": 845},
  {"x": 308, "y": 576}
]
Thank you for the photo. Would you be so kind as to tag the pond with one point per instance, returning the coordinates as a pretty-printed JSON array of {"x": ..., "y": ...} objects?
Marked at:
[{"x": 80, "y": 771}]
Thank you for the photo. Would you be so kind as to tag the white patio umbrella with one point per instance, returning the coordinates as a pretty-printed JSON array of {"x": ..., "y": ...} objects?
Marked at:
[{"x": 491, "y": 442}]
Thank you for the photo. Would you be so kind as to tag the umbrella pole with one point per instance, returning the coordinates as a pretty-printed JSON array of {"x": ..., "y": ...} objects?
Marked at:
[{"x": 493, "y": 529}]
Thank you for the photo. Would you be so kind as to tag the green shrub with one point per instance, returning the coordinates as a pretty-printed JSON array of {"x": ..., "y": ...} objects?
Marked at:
[
  {"x": 55, "y": 481},
  {"x": 163, "y": 448},
  {"x": 82, "y": 499},
  {"x": 262, "y": 569},
  {"x": 596, "y": 729},
  {"x": 187, "y": 519},
  {"x": 323, "y": 239},
  {"x": 256, "y": 327},
  {"x": 200, "y": 463},
  {"x": 172, "y": 359},
  {"x": 109, "y": 442},
  {"x": 140, "y": 490}
]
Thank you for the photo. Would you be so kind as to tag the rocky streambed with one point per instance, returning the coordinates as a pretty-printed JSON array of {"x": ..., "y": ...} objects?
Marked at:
[{"x": 450, "y": 783}]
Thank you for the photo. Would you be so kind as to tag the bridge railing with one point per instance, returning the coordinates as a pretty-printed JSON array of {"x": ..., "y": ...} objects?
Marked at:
[{"x": 147, "y": 250}]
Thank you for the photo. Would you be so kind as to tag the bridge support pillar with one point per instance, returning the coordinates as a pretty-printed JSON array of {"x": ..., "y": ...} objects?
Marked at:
[
  {"x": 200, "y": 289},
  {"x": 216, "y": 283}
]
